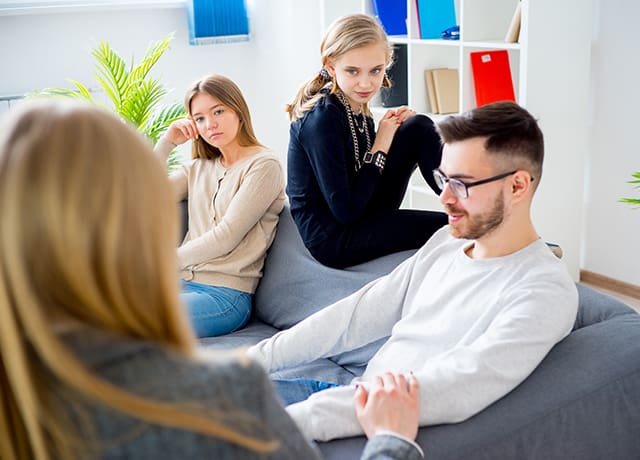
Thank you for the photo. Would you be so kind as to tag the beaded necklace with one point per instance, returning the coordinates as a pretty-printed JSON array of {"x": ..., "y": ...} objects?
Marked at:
[{"x": 352, "y": 125}]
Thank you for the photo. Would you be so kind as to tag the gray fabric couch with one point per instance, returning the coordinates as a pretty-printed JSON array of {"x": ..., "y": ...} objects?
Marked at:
[{"x": 582, "y": 402}]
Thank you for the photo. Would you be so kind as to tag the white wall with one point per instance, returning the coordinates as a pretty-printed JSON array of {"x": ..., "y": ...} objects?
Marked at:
[
  {"x": 611, "y": 243},
  {"x": 43, "y": 50}
]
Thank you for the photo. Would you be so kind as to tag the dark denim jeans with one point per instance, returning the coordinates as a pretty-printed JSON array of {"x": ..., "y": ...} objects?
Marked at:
[{"x": 294, "y": 390}]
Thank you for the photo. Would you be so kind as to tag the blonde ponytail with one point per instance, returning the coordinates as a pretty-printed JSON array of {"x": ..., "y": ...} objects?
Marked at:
[{"x": 308, "y": 95}]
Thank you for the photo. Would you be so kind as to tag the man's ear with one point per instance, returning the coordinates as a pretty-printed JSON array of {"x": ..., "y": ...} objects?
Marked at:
[{"x": 520, "y": 184}]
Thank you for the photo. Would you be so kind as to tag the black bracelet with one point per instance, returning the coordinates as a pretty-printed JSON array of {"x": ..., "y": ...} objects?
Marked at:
[
  {"x": 368, "y": 157},
  {"x": 378, "y": 159},
  {"x": 381, "y": 159}
]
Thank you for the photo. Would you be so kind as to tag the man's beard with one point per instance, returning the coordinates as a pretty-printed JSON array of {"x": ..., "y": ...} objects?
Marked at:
[{"x": 473, "y": 227}]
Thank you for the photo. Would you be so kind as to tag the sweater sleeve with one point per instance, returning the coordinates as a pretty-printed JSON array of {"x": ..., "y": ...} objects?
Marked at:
[
  {"x": 365, "y": 316},
  {"x": 323, "y": 137},
  {"x": 280, "y": 424},
  {"x": 389, "y": 447},
  {"x": 459, "y": 383},
  {"x": 177, "y": 178},
  {"x": 260, "y": 187}
]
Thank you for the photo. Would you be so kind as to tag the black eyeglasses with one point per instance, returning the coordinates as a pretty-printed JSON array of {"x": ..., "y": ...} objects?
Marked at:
[{"x": 461, "y": 189}]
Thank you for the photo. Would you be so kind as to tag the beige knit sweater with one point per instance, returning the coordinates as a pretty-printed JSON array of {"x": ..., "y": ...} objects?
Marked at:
[{"x": 233, "y": 214}]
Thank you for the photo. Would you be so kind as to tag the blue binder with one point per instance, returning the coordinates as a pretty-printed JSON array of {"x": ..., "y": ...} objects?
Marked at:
[
  {"x": 435, "y": 16},
  {"x": 217, "y": 21},
  {"x": 392, "y": 14}
]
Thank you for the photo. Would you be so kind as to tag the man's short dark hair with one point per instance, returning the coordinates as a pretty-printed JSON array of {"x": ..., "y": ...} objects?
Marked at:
[{"x": 511, "y": 133}]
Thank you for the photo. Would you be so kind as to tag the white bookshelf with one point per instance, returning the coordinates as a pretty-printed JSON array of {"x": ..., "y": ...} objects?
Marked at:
[{"x": 550, "y": 68}]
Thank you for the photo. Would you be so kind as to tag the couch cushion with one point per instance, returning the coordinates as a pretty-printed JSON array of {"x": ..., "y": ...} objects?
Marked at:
[
  {"x": 295, "y": 285},
  {"x": 595, "y": 307},
  {"x": 249, "y": 335}
]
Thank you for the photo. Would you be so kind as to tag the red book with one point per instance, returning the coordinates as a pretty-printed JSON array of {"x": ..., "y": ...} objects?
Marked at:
[{"x": 492, "y": 77}]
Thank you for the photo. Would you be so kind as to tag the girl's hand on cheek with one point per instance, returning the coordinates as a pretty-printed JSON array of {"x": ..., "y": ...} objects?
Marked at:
[{"x": 180, "y": 131}]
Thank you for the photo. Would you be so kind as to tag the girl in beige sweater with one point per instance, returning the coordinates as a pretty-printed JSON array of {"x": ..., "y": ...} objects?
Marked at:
[{"x": 235, "y": 188}]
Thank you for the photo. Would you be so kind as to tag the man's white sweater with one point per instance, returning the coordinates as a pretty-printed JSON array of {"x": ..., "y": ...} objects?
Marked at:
[{"x": 470, "y": 330}]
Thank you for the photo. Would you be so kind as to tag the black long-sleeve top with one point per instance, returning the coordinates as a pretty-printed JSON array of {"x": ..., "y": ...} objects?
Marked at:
[{"x": 326, "y": 193}]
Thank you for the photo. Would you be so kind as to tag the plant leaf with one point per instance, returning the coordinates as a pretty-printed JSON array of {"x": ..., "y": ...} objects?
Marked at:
[
  {"x": 633, "y": 201},
  {"x": 151, "y": 56},
  {"x": 173, "y": 161},
  {"x": 158, "y": 124},
  {"x": 139, "y": 105},
  {"x": 81, "y": 92},
  {"x": 111, "y": 73}
]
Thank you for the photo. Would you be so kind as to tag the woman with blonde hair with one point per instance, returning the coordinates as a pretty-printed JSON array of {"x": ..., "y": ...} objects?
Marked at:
[
  {"x": 97, "y": 359},
  {"x": 345, "y": 181},
  {"x": 235, "y": 188}
]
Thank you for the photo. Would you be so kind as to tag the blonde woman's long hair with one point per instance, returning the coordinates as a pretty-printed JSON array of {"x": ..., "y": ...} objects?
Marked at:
[
  {"x": 343, "y": 35},
  {"x": 88, "y": 227},
  {"x": 229, "y": 94}
]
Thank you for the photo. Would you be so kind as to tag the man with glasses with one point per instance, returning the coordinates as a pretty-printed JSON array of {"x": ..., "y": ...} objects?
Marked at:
[{"x": 472, "y": 313}]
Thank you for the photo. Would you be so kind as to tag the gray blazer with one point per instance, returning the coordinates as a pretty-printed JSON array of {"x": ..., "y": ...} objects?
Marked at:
[{"x": 223, "y": 385}]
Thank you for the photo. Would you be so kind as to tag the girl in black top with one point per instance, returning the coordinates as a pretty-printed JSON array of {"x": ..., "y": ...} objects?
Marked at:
[{"x": 345, "y": 181}]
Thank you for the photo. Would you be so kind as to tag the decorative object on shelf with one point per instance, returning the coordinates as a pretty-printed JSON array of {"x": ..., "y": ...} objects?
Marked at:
[
  {"x": 636, "y": 182},
  {"x": 396, "y": 95},
  {"x": 392, "y": 14},
  {"x": 217, "y": 21},
  {"x": 134, "y": 94},
  {"x": 492, "y": 76},
  {"x": 513, "y": 33},
  {"x": 452, "y": 33},
  {"x": 443, "y": 90},
  {"x": 435, "y": 16}
]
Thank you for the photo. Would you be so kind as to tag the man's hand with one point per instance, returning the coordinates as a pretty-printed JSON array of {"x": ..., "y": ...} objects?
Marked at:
[{"x": 391, "y": 404}]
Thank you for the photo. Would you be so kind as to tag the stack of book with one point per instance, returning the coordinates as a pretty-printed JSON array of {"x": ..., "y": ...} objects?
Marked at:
[{"x": 442, "y": 90}]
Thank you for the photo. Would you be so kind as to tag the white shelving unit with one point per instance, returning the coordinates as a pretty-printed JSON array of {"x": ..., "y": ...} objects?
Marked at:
[{"x": 550, "y": 68}]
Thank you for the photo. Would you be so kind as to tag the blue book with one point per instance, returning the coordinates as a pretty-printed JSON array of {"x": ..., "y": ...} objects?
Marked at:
[
  {"x": 435, "y": 16},
  {"x": 392, "y": 14}
]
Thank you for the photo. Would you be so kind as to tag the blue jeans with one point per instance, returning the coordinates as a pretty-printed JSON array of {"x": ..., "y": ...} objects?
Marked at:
[
  {"x": 215, "y": 310},
  {"x": 294, "y": 390}
]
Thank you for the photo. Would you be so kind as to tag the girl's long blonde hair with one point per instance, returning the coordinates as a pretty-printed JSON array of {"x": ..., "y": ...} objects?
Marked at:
[
  {"x": 87, "y": 235},
  {"x": 343, "y": 35}
]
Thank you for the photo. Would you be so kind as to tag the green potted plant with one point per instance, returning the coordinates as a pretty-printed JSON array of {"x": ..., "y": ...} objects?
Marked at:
[
  {"x": 636, "y": 182},
  {"x": 134, "y": 94}
]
